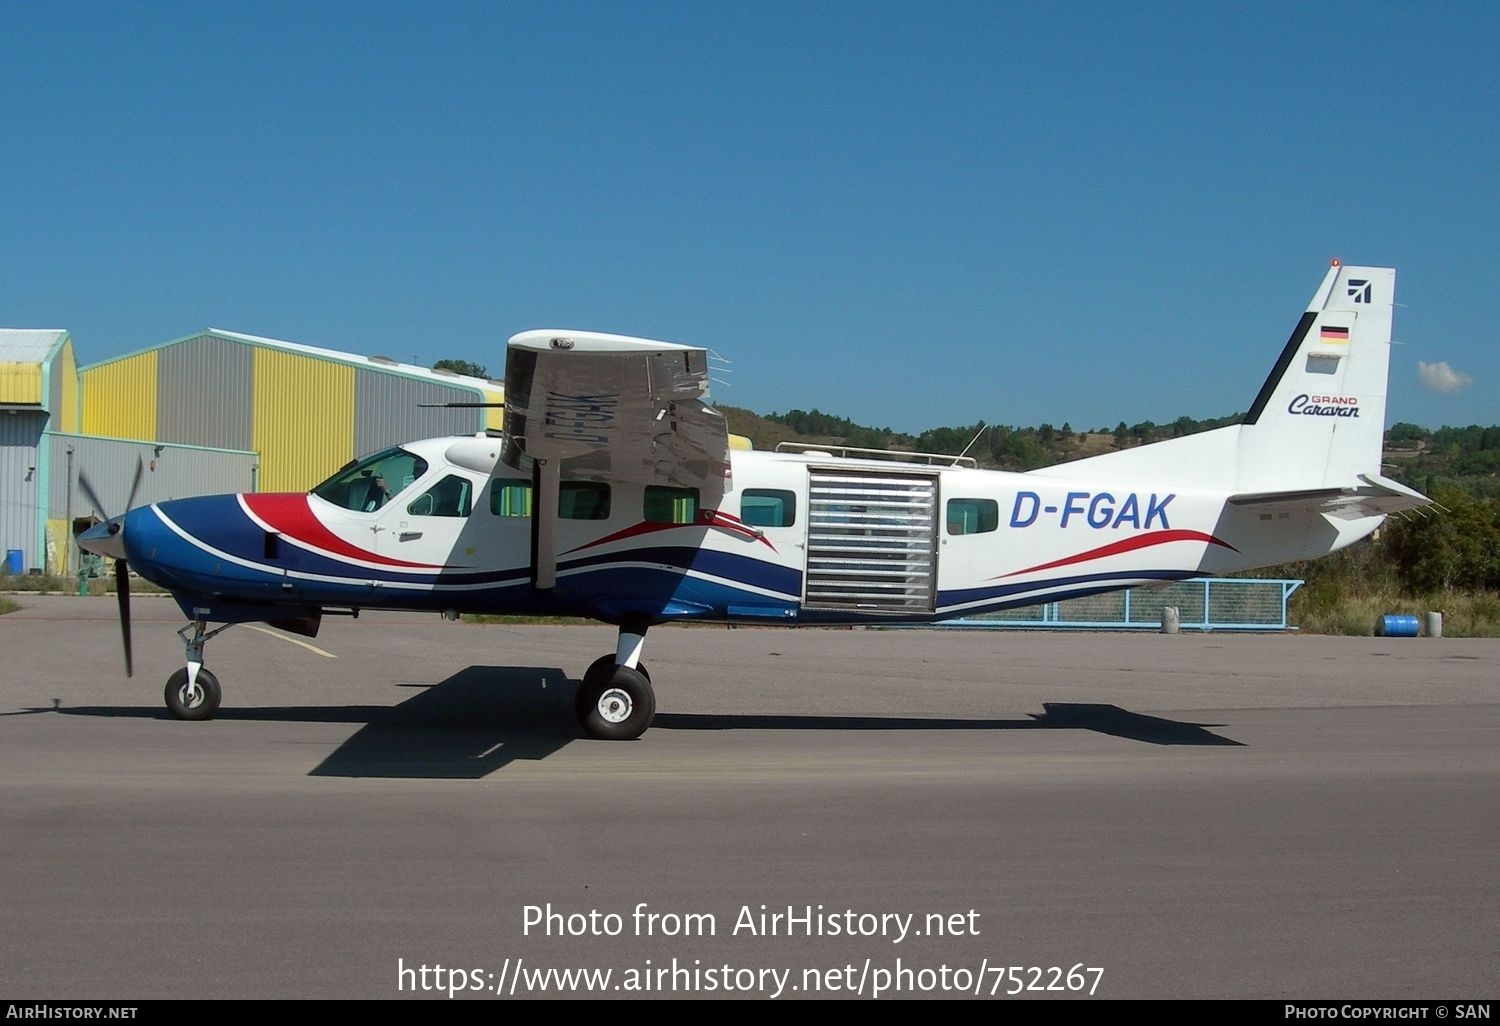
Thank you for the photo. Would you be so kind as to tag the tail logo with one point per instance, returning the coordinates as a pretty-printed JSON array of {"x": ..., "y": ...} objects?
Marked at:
[
  {"x": 1359, "y": 290},
  {"x": 1324, "y": 406}
]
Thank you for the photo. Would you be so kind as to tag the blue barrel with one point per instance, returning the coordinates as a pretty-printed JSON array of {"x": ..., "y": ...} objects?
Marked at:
[
  {"x": 15, "y": 562},
  {"x": 1396, "y": 627}
]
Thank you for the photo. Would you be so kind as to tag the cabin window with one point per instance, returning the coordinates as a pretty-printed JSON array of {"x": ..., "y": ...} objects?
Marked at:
[
  {"x": 448, "y": 498},
  {"x": 510, "y": 498},
  {"x": 369, "y": 484},
  {"x": 583, "y": 500},
  {"x": 768, "y": 507},
  {"x": 973, "y": 516},
  {"x": 665, "y": 505}
]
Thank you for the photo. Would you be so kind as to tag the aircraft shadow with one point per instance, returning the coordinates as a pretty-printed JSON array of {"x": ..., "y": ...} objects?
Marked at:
[
  {"x": 463, "y": 728},
  {"x": 1102, "y": 719},
  {"x": 483, "y": 718},
  {"x": 477, "y": 721}
]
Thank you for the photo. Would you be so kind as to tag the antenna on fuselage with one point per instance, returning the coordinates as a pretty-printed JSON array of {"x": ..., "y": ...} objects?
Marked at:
[{"x": 983, "y": 427}]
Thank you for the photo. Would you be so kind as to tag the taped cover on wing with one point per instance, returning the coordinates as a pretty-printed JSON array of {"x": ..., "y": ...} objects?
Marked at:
[{"x": 615, "y": 408}]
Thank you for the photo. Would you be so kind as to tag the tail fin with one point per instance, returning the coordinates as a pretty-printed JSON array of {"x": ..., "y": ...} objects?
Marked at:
[
  {"x": 1319, "y": 420},
  {"x": 1317, "y": 423}
]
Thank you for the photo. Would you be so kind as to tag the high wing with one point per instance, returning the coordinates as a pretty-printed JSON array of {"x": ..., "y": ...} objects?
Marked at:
[
  {"x": 1376, "y": 496},
  {"x": 609, "y": 407}
]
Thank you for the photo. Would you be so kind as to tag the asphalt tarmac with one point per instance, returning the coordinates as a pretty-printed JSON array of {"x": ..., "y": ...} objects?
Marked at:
[{"x": 1195, "y": 816}]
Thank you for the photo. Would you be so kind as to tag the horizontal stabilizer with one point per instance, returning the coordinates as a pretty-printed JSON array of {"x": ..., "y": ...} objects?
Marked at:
[{"x": 1375, "y": 496}]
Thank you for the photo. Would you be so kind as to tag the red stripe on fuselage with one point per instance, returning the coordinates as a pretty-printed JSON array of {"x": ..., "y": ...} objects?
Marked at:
[
  {"x": 1140, "y": 541},
  {"x": 706, "y": 518},
  {"x": 289, "y": 514}
]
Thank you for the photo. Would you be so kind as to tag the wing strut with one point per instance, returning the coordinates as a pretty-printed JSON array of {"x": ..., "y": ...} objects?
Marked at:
[{"x": 547, "y": 478}]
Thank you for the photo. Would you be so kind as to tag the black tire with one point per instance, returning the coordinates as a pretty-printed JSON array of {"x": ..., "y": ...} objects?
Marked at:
[
  {"x": 616, "y": 708},
  {"x": 200, "y": 707},
  {"x": 605, "y": 665}
]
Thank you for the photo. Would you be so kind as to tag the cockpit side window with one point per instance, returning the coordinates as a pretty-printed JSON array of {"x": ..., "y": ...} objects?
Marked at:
[
  {"x": 373, "y": 481},
  {"x": 448, "y": 498}
]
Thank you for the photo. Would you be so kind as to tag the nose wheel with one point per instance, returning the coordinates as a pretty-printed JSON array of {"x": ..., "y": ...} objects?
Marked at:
[
  {"x": 193, "y": 693},
  {"x": 196, "y": 701}
]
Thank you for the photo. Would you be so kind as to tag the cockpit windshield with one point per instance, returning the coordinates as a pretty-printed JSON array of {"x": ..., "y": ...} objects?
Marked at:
[{"x": 370, "y": 483}]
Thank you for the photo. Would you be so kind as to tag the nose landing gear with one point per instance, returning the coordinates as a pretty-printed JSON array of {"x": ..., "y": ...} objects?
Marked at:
[{"x": 193, "y": 693}]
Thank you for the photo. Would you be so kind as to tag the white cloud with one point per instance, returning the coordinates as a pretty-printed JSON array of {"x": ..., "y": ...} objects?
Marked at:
[{"x": 1439, "y": 377}]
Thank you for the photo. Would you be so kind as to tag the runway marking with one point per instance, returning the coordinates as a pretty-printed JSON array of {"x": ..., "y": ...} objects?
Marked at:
[{"x": 294, "y": 641}]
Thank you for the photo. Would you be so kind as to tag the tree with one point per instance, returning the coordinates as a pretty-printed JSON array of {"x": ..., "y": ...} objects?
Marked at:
[
  {"x": 473, "y": 370},
  {"x": 1449, "y": 550}
]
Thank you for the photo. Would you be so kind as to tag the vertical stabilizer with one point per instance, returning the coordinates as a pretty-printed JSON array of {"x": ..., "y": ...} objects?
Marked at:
[{"x": 1319, "y": 419}]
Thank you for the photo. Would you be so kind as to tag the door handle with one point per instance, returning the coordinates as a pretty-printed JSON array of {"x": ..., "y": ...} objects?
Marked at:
[{"x": 410, "y": 535}]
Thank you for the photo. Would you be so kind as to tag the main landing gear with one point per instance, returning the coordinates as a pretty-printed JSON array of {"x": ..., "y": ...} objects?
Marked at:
[
  {"x": 193, "y": 693},
  {"x": 615, "y": 701}
]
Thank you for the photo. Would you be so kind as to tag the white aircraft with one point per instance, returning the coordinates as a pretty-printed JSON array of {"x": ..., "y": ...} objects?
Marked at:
[{"x": 613, "y": 493}]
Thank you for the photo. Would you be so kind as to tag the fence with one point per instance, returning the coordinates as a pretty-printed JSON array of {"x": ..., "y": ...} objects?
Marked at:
[{"x": 1204, "y": 603}]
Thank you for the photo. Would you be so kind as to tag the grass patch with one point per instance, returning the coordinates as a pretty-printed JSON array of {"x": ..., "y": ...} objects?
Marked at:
[
  {"x": 55, "y": 584},
  {"x": 1324, "y": 608},
  {"x": 7, "y": 606}
]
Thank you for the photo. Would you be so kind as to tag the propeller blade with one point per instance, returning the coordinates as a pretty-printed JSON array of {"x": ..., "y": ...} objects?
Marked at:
[
  {"x": 91, "y": 495},
  {"x": 122, "y": 596},
  {"x": 135, "y": 484}
]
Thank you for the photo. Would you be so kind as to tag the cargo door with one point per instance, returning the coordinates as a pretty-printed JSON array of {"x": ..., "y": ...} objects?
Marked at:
[{"x": 871, "y": 541}]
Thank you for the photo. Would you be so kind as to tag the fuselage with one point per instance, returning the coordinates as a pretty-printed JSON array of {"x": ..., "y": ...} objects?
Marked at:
[{"x": 797, "y": 538}]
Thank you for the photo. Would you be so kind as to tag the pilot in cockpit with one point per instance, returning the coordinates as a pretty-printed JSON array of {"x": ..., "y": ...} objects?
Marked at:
[{"x": 379, "y": 493}]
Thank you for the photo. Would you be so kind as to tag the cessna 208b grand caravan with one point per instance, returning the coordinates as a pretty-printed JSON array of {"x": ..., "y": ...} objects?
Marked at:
[{"x": 613, "y": 493}]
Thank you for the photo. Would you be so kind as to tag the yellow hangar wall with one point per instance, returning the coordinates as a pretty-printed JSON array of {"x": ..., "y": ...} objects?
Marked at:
[
  {"x": 21, "y": 382},
  {"x": 318, "y": 438},
  {"x": 58, "y": 532},
  {"x": 304, "y": 411},
  {"x": 119, "y": 398},
  {"x": 67, "y": 390}
]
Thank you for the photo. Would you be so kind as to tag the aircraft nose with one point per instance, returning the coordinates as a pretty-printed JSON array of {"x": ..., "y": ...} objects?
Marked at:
[{"x": 106, "y": 539}]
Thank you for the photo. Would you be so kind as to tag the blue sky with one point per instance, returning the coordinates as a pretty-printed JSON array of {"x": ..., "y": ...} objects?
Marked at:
[{"x": 908, "y": 214}]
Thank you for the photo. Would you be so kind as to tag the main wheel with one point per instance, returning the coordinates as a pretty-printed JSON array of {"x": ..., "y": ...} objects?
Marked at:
[
  {"x": 605, "y": 665},
  {"x": 618, "y": 707},
  {"x": 198, "y": 703}
]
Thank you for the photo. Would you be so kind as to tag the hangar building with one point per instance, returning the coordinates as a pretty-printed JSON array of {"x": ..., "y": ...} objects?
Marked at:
[
  {"x": 38, "y": 396},
  {"x": 305, "y": 411},
  {"x": 213, "y": 412}
]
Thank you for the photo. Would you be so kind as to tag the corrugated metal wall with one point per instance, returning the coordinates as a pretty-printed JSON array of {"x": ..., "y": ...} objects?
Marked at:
[
  {"x": 204, "y": 389},
  {"x": 64, "y": 390},
  {"x": 120, "y": 397},
  {"x": 21, "y": 383},
  {"x": 20, "y": 483},
  {"x": 305, "y": 415},
  {"x": 303, "y": 423},
  {"x": 388, "y": 411},
  {"x": 175, "y": 473}
]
